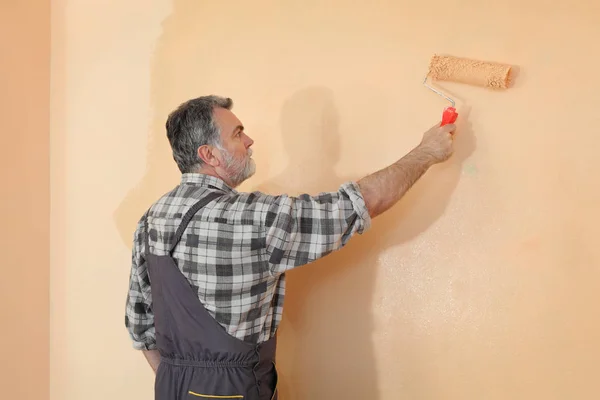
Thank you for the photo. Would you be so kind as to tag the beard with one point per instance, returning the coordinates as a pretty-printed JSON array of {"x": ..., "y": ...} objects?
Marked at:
[{"x": 239, "y": 170}]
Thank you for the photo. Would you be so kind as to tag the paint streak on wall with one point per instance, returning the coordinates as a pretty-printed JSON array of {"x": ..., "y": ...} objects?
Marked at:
[{"x": 481, "y": 283}]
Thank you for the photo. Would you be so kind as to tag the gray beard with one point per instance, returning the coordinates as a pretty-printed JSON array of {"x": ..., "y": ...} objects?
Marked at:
[{"x": 238, "y": 171}]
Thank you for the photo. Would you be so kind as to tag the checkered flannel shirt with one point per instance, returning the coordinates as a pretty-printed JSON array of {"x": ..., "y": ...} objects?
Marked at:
[{"x": 236, "y": 250}]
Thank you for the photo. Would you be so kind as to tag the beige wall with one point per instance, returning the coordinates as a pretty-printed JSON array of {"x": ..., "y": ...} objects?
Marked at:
[
  {"x": 482, "y": 283},
  {"x": 25, "y": 208}
]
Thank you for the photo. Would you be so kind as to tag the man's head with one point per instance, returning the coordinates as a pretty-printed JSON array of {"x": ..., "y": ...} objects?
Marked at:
[{"x": 207, "y": 137}]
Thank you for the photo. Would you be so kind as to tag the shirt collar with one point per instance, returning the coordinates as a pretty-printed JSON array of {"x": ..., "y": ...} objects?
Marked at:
[{"x": 191, "y": 178}]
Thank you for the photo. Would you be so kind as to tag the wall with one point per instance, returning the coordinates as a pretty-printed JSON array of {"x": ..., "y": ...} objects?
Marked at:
[
  {"x": 481, "y": 283},
  {"x": 25, "y": 177}
]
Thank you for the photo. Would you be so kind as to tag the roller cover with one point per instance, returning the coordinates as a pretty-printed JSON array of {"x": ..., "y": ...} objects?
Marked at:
[{"x": 472, "y": 72}]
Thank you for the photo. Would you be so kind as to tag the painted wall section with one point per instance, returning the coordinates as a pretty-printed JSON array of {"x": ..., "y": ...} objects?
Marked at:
[
  {"x": 481, "y": 283},
  {"x": 25, "y": 207}
]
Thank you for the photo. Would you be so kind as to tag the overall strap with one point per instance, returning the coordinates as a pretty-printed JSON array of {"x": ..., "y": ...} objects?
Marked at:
[
  {"x": 188, "y": 217},
  {"x": 146, "y": 234}
]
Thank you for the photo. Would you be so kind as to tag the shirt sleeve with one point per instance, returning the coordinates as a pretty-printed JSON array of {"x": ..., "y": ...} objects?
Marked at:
[
  {"x": 302, "y": 229},
  {"x": 139, "y": 319}
]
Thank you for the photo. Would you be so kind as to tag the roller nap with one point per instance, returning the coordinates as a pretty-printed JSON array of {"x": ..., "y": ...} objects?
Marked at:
[{"x": 472, "y": 72}]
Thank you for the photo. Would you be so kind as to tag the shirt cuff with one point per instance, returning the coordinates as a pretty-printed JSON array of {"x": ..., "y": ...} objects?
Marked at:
[
  {"x": 359, "y": 205},
  {"x": 144, "y": 346}
]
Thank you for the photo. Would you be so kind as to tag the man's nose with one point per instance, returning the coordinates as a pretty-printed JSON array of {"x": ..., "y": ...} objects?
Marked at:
[{"x": 249, "y": 141}]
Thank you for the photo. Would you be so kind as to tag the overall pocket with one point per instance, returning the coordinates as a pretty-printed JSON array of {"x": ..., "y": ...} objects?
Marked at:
[{"x": 213, "y": 396}]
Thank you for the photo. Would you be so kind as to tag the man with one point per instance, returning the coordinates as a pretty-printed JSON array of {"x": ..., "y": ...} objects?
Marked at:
[{"x": 208, "y": 266}]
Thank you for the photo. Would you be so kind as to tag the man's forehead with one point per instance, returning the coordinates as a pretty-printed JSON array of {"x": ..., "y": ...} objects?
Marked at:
[{"x": 226, "y": 117}]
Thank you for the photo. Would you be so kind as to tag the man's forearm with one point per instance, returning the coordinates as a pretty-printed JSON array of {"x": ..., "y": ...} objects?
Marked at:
[
  {"x": 382, "y": 189},
  {"x": 153, "y": 358}
]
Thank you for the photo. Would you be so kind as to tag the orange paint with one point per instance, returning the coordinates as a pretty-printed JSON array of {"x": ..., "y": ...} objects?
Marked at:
[{"x": 25, "y": 205}]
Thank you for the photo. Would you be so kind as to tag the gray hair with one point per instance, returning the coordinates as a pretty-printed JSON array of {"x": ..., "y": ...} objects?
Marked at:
[{"x": 192, "y": 125}]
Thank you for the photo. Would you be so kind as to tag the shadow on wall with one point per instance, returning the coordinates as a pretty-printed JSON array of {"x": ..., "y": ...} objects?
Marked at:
[
  {"x": 325, "y": 342},
  {"x": 324, "y": 345}
]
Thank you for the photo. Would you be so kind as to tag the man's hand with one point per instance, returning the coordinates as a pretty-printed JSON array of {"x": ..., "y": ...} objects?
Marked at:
[
  {"x": 382, "y": 189},
  {"x": 153, "y": 358},
  {"x": 437, "y": 142}
]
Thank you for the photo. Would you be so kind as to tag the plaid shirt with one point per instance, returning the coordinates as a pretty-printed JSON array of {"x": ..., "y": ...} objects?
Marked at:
[{"x": 236, "y": 250}]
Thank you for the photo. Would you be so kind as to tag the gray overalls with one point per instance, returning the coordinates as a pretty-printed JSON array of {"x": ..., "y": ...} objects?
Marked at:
[{"x": 199, "y": 359}]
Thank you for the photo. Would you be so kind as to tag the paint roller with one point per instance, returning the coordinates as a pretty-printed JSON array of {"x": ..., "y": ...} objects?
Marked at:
[{"x": 463, "y": 70}]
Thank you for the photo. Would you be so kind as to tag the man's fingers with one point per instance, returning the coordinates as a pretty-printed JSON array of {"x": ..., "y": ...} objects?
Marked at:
[
  {"x": 446, "y": 128},
  {"x": 449, "y": 128}
]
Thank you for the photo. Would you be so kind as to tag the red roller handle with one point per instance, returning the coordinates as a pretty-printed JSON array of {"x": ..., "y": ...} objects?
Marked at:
[{"x": 449, "y": 116}]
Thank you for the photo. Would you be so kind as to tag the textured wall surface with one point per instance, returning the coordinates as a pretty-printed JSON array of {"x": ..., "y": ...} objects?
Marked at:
[{"x": 482, "y": 282}]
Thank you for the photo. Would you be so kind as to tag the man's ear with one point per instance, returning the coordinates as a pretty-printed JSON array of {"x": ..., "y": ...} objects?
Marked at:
[{"x": 207, "y": 155}]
